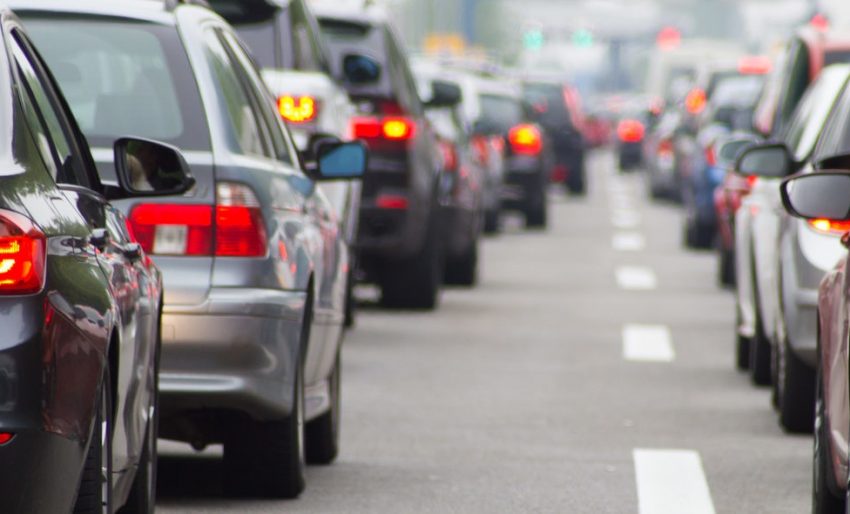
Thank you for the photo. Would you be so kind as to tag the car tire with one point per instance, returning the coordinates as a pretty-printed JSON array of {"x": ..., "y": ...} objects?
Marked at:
[
  {"x": 761, "y": 364},
  {"x": 726, "y": 268},
  {"x": 795, "y": 392},
  {"x": 536, "y": 211},
  {"x": 350, "y": 301},
  {"x": 321, "y": 436},
  {"x": 491, "y": 221},
  {"x": 742, "y": 352},
  {"x": 823, "y": 499},
  {"x": 463, "y": 271},
  {"x": 414, "y": 283},
  {"x": 266, "y": 459},
  {"x": 94, "y": 495},
  {"x": 142, "y": 497}
]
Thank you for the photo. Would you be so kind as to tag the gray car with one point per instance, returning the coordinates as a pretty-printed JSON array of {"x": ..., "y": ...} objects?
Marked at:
[{"x": 253, "y": 261}]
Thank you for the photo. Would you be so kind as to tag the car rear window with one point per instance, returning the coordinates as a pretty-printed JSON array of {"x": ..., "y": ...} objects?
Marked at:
[
  {"x": 346, "y": 37},
  {"x": 738, "y": 90},
  {"x": 123, "y": 78},
  {"x": 500, "y": 111},
  {"x": 836, "y": 56},
  {"x": 548, "y": 103}
]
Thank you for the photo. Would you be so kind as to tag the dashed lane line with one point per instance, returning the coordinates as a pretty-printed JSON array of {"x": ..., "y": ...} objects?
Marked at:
[
  {"x": 635, "y": 278},
  {"x": 628, "y": 242},
  {"x": 647, "y": 343},
  {"x": 671, "y": 482}
]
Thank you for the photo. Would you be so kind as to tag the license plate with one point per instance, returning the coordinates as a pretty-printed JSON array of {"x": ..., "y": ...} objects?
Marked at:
[{"x": 170, "y": 239}]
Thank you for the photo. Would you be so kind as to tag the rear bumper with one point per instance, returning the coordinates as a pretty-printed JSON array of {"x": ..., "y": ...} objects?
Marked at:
[
  {"x": 461, "y": 230},
  {"x": 525, "y": 183},
  {"x": 236, "y": 351}
]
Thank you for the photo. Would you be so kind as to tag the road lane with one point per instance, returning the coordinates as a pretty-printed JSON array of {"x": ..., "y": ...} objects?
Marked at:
[{"x": 515, "y": 396}]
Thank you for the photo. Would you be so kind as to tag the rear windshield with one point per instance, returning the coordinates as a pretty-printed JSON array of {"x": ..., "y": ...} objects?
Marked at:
[
  {"x": 261, "y": 39},
  {"x": 836, "y": 56},
  {"x": 548, "y": 103},
  {"x": 501, "y": 111},
  {"x": 123, "y": 78},
  {"x": 344, "y": 38}
]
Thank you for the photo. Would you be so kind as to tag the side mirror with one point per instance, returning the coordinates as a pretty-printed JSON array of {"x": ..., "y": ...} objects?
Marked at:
[
  {"x": 444, "y": 94},
  {"x": 149, "y": 168},
  {"x": 360, "y": 69},
  {"x": 769, "y": 160},
  {"x": 730, "y": 149},
  {"x": 834, "y": 162},
  {"x": 340, "y": 161},
  {"x": 820, "y": 195}
]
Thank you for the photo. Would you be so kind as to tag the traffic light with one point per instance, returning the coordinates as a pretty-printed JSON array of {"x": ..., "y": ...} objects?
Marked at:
[
  {"x": 533, "y": 39},
  {"x": 583, "y": 38}
]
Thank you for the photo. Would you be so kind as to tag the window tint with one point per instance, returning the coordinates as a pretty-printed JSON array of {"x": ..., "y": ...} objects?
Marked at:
[
  {"x": 266, "y": 113},
  {"x": 124, "y": 78},
  {"x": 809, "y": 117},
  {"x": 46, "y": 122},
  {"x": 245, "y": 136},
  {"x": 798, "y": 81},
  {"x": 836, "y": 131},
  {"x": 836, "y": 57}
]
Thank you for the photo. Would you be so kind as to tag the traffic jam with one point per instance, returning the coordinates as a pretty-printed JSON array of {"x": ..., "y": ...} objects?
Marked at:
[{"x": 425, "y": 256}]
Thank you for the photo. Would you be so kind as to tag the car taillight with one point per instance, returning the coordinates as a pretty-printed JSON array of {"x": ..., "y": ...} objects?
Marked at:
[
  {"x": 754, "y": 65},
  {"x": 752, "y": 180},
  {"x": 630, "y": 131},
  {"x": 479, "y": 146},
  {"x": 449, "y": 153},
  {"x": 828, "y": 226},
  {"x": 297, "y": 109},
  {"x": 665, "y": 147},
  {"x": 22, "y": 255},
  {"x": 5, "y": 437},
  {"x": 239, "y": 227},
  {"x": 173, "y": 229},
  {"x": 391, "y": 202},
  {"x": 232, "y": 228},
  {"x": 525, "y": 140},
  {"x": 710, "y": 156},
  {"x": 395, "y": 128},
  {"x": 695, "y": 101}
]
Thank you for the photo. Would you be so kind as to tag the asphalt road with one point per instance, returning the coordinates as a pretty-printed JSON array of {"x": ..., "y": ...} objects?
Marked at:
[{"x": 590, "y": 372}]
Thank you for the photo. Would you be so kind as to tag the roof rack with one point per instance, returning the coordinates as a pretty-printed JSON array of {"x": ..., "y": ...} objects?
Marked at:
[{"x": 170, "y": 5}]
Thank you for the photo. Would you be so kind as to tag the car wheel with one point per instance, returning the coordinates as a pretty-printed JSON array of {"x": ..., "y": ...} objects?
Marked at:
[
  {"x": 795, "y": 388},
  {"x": 491, "y": 221},
  {"x": 322, "y": 434},
  {"x": 350, "y": 301},
  {"x": 761, "y": 370},
  {"x": 142, "y": 498},
  {"x": 94, "y": 495},
  {"x": 266, "y": 458},
  {"x": 463, "y": 271},
  {"x": 823, "y": 500},
  {"x": 535, "y": 211},
  {"x": 726, "y": 268},
  {"x": 414, "y": 283},
  {"x": 742, "y": 351}
]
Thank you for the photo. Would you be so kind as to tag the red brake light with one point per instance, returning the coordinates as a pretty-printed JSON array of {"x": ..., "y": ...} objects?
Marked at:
[
  {"x": 173, "y": 229},
  {"x": 695, "y": 101},
  {"x": 828, "y": 226},
  {"x": 630, "y": 131},
  {"x": 449, "y": 153},
  {"x": 665, "y": 147},
  {"x": 396, "y": 128},
  {"x": 239, "y": 227},
  {"x": 392, "y": 202},
  {"x": 710, "y": 157},
  {"x": 297, "y": 109},
  {"x": 22, "y": 255},
  {"x": 365, "y": 128},
  {"x": 754, "y": 65},
  {"x": 5, "y": 437},
  {"x": 525, "y": 140},
  {"x": 479, "y": 146},
  {"x": 752, "y": 180}
]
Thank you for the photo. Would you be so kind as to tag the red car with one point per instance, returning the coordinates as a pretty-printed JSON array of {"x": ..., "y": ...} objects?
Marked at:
[{"x": 825, "y": 196}]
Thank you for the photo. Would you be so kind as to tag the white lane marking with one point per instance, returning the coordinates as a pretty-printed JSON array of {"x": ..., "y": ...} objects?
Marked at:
[
  {"x": 625, "y": 219},
  {"x": 636, "y": 278},
  {"x": 647, "y": 343},
  {"x": 628, "y": 242},
  {"x": 671, "y": 482}
]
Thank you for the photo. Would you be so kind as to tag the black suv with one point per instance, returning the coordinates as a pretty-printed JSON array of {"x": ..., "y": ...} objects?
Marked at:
[{"x": 399, "y": 236}]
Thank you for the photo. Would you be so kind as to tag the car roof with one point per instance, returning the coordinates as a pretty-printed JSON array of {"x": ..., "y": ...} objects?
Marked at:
[{"x": 154, "y": 11}]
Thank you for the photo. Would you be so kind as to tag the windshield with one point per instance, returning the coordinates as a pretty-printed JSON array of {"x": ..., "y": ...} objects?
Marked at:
[{"x": 124, "y": 78}]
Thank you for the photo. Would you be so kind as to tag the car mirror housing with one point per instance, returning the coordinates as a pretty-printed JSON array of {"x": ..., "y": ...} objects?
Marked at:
[
  {"x": 149, "y": 168},
  {"x": 819, "y": 195},
  {"x": 729, "y": 148},
  {"x": 834, "y": 162},
  {"x": 769, "y": 160},
  {"x": 444, "y": 94},
  {"x": 360, "y": 69},
  {"x": 340, "y": 161}
]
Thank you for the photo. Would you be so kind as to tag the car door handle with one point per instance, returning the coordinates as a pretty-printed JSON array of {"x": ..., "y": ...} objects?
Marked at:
[
  {"x": 132, "y": 251},
  {"x": 99, "y": 238}
]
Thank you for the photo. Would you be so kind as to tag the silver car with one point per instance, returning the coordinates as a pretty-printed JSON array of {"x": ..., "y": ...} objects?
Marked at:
[{"x": 252, "y": 257}]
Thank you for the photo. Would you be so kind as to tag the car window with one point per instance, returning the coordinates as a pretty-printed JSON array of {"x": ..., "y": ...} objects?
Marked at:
[
  {"x": 245, "y": 135},
  {"x": 307, "y": 51},
  {"x": 809, "y": 117},
  {"x": 46, "y": 120},
  {"x": 836, "y": 57},
  {"x": 501, "y": 112},
  {"x": 266, "y": 114},
  {"x": 404, "y": 84},
  {"x": 258, "y": 26},
  {"x": 836, "y": 130},
  {"x": 547, "y": 103},
  {"x": 796, "y": 83},
  {"x": 123, "y": 78}
]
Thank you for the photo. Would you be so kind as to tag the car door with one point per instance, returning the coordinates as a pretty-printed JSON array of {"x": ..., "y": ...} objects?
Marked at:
[{"x": 79, "y": 183}]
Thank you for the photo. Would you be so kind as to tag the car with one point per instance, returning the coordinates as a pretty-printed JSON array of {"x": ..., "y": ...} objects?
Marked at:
[
  {"x": 817, "y": 198},
  {"x": 399, "y": 239},
  {"x": 464, "y": 174},
  {"x": 284, "y": 39},
  {"x": 729, "y": 110},
  {"x": 81, "y": 303},
  {"x": 659, "y": 159},
  {"x": 555, "y": 107},
  {"x": 253, "y": 260},
  {"x": 758, "y": 229}
]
